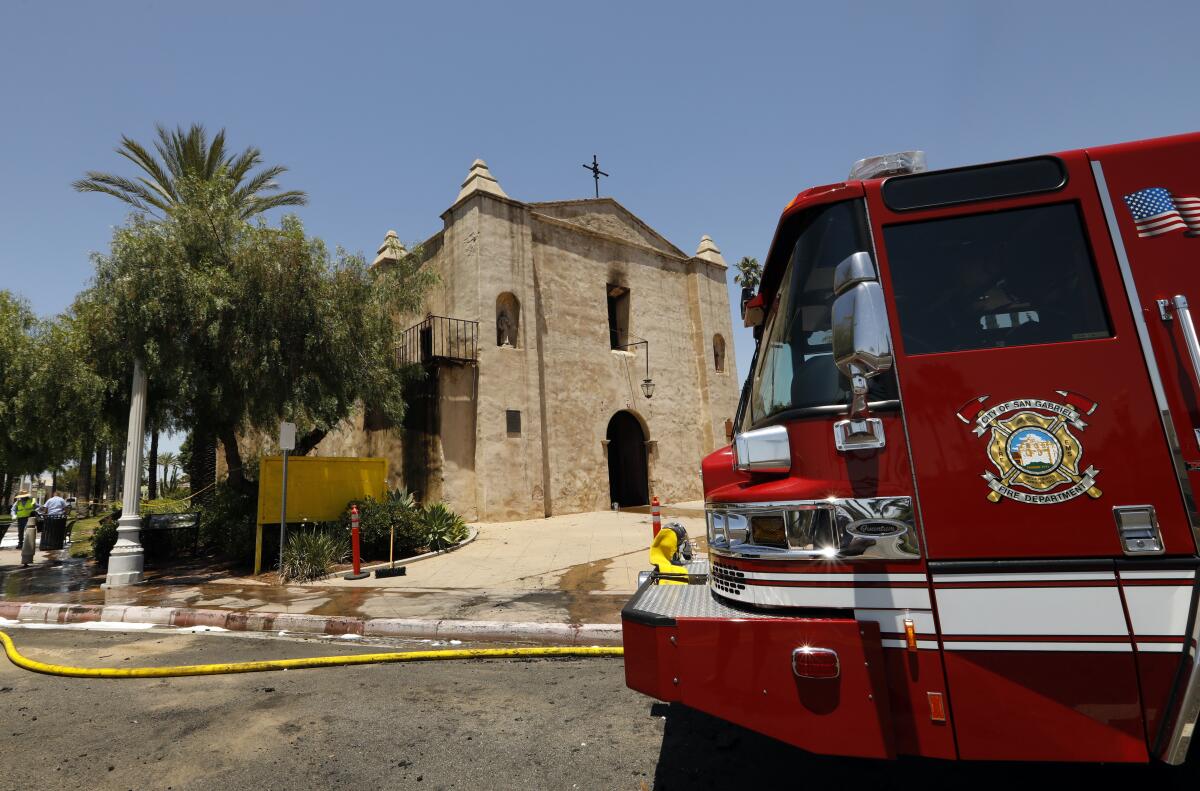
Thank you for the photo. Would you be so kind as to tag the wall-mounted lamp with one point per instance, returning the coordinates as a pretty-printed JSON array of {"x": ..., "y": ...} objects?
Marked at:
[{"x": 647, "y": 383}]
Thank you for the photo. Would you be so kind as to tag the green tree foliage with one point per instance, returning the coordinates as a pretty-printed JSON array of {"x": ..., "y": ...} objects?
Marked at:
[
  {"x": 241, "y": 325},
  {"x": 48, "y": 391},
  {"x": 184, "y": 461},
  {"x": 17, "y": 361},
  {"x": 66, "y": 391}
]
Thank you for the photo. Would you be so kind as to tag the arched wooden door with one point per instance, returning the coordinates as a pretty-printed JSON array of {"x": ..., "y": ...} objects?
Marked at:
[{"x": 628, "y": 483}]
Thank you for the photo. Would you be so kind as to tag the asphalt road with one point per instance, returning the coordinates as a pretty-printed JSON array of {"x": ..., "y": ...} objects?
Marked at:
[{"x": 494, "y": 724}]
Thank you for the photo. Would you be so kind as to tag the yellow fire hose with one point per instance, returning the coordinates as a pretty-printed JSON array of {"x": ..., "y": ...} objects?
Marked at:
[{"x": 35, "y": 666}]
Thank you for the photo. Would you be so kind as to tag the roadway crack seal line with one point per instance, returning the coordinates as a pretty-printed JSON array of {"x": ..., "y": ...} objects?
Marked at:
[{"x": 35, "y": 666}]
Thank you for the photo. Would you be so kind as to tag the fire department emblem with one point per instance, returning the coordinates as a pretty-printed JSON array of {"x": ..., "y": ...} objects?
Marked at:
[{"x": 1030, "y": 443}]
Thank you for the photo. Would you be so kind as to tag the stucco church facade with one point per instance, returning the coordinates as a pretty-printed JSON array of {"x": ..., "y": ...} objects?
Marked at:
[{"x": 534, "y": 344}]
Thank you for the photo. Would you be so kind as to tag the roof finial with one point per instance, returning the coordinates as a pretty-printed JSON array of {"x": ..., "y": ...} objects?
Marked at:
[
  {"x": 709, "y": 251},
  {"x": 480, "y": 179},
  {"x": 391, "y": 250}
]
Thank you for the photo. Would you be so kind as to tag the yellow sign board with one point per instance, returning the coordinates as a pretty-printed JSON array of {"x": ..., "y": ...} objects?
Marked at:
[{"x": 319, "y": 487}]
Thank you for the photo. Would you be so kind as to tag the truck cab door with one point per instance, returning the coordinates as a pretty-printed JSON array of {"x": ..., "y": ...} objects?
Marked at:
[
  {"x": 1031, "y": 422},
  {"x": 1150, "y": 191}
]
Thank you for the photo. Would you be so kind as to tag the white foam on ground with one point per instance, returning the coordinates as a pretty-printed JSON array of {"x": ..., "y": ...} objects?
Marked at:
[
  {"x": 195, "y": 629},
  {"x": 349, "y": 637},
  {"x": 103, "y": 626}
]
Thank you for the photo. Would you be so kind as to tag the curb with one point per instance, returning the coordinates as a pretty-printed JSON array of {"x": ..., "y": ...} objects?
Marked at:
[{"x": 560, "y": 633}]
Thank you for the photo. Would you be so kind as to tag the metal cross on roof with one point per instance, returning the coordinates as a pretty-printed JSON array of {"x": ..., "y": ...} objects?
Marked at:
[{"x": 596, "y": 173}]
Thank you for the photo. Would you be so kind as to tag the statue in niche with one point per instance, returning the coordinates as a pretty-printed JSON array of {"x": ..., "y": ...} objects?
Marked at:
[{"x": 505, "y": 329}]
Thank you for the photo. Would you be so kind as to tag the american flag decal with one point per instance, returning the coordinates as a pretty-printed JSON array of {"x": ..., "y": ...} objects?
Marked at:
[{"x": 1156, "y": 211}]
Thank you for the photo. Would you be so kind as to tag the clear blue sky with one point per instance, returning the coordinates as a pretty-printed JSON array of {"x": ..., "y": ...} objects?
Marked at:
[{"x": 709, "y": 116}]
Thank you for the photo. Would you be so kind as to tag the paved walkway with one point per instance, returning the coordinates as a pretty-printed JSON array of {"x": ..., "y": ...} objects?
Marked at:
[
  {"x": 599, "y": 552},
  {"x": 573, "y": 569}
]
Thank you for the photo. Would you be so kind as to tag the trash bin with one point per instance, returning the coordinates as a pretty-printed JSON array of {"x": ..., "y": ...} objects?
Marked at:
[
  {"x": 54, "y": 532},
  {"x": 57, "y": 527}
]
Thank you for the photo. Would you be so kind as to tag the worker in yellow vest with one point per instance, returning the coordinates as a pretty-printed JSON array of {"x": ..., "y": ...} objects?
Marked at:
[{"x": 22, "y": 508}]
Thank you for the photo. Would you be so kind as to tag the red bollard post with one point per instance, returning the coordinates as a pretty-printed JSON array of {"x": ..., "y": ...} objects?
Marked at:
[
  {"x": 354, "y": 548},
  {"x": 655, "y": 516}
]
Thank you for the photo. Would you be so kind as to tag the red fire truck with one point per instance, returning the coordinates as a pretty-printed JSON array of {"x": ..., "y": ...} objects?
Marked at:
[{"x": 957, "y": 518}]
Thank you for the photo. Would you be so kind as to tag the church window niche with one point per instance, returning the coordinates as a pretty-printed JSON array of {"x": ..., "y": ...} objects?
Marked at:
[
  {"x": 508, "y": 319},
  {"x": 618, "y": 316},
  {"x": 719, "y": 353}
]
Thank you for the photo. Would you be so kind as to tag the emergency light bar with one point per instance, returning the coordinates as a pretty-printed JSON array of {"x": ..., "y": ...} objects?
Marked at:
[{"x": 901, "y": 163}]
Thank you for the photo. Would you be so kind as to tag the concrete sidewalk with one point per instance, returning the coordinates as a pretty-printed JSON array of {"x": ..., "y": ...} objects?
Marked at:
[
  {"x": 562, "y": 572},
  {"x": 601, "y": 552}
]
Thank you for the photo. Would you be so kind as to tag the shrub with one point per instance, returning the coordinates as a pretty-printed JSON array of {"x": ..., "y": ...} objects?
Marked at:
[
  {"x": 441, "y": 526},
  {"x": 311, "y": 554},
  {"x": 164, "y": 506},
  {"x": 376, "y": 518},
  {"x": 104, "y": 538},
  {"x": 227, "y": 522}
]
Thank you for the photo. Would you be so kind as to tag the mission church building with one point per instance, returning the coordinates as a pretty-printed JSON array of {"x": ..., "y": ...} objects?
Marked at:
[{"x": 573, "y": 356}]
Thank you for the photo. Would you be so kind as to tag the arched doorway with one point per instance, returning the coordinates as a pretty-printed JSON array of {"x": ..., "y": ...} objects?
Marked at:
[{"x": 628, "y": 482}]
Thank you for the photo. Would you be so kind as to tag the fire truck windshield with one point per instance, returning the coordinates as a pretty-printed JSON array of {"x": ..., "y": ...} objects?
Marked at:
[{"x": 795, "y": 369}]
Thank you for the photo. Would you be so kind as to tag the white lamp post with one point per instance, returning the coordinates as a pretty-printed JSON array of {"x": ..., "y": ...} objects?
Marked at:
[{"x": 126, "y": 561}]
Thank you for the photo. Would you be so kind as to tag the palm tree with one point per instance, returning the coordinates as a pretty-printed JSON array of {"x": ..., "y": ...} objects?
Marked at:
[
  {"x": 167, "y": 461},
  {"x": 189, "y": 154},
  {"x": 749, "y": 273}
]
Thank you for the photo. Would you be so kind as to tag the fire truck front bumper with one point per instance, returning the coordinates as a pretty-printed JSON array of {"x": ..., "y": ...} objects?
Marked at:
[{"x": 818, "y": 683}]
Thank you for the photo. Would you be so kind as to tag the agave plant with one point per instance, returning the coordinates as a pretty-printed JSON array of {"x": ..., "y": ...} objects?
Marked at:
[{"x": 442, "y": 527}]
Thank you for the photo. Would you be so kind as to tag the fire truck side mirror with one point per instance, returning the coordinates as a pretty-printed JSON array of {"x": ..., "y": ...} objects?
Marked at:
[
  {"x": 854, "y": 269},
  {"x": 862, "y": 346}
]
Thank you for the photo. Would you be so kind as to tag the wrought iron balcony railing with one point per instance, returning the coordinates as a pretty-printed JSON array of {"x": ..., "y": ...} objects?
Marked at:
[{"x": 439, "y": 338}]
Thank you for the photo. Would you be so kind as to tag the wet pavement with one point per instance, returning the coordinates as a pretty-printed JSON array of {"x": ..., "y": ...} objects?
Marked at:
[
  {"x": 574, "y": 569},
  {"x": 73, "y": 582}
]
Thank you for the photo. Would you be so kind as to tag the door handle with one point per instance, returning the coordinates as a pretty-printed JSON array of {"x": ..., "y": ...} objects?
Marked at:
[{"x": 1188, "y": 328}]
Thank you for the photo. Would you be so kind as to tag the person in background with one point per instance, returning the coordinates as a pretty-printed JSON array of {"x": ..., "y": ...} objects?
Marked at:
[
  {"x": 55, "y": 511},
  {"x": 23, "y": 507}
]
